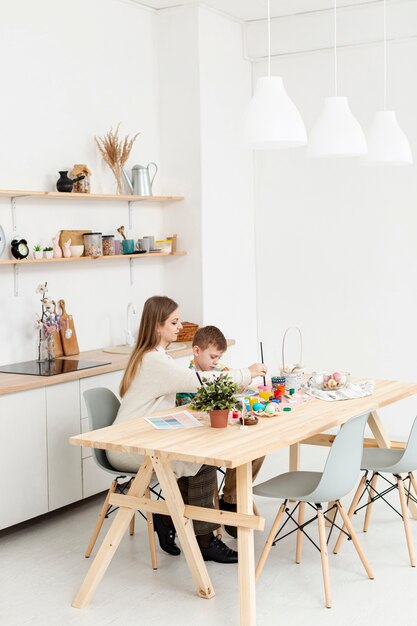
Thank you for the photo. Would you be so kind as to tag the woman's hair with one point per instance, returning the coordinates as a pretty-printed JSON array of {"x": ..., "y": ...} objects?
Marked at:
[{"x": 156, "y": 311}]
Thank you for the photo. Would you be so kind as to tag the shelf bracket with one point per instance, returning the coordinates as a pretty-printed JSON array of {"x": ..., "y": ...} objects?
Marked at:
[
  {"x": 13, "y": 210},
  {"x": 129, "y": 208},
  {"x": 131, "y": 271},
  {"x": 16, "y": 279}
]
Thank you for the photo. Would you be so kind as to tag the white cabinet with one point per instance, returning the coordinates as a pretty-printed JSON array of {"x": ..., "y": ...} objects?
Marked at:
[
  {"x": 23, "y": 457},
  {"x": 64, "y": 460}
]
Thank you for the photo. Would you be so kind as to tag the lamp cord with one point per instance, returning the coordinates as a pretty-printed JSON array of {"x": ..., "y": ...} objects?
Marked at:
[
  {"x": 385, "y": 55},
  {"x": 335, "y": 47},
  {"x": 269, "y": 38}
]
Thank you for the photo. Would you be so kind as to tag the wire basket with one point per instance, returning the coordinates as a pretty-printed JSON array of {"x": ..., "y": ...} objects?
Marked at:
[
  {"x": 293, "y": 373},
  {"x": 187, "y": 332}
]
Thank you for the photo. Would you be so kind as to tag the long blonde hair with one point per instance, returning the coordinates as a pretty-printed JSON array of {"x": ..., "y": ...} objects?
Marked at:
[{"x": 156, "y": 311}]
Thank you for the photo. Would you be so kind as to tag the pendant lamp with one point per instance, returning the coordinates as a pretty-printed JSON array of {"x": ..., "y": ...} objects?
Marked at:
[
  {"x": 272, "y": 119},
  {"x": 336, "y": 133},
  {"x": 387, "y": 143}
]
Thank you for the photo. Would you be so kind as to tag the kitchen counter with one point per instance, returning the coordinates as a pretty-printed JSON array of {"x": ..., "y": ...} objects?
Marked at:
[{"x": 12, "y": 383}]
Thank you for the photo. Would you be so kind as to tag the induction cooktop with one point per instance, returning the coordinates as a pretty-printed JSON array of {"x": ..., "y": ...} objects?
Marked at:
[{"x": 49, "y": 368}]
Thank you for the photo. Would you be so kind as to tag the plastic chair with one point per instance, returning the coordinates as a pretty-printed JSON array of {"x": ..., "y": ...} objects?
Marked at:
[
  {"x": 387, "y": 461},
  {"x": 337, "y": 479},
  {"x": 102, "y": 407}
]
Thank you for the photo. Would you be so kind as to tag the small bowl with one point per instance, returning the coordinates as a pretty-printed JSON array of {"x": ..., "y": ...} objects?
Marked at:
[
  {"x": 77, "y": 250},
  {"x": 330, "y": 381}
]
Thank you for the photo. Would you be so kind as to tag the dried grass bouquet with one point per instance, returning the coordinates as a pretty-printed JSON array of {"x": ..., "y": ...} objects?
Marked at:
[{"x": 115, "y": 152}]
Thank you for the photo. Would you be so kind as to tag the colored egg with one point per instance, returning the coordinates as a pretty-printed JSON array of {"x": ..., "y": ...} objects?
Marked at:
[
  {"x": 258, "y": 406},
  {"x": 337, "y": 376},
  {"x": 270, "y": 409}
]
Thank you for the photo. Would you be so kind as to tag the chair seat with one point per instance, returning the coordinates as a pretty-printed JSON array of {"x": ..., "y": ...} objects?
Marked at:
[
  {"x": 291, "y": 485},
  {"x": 382, "y": 460}
]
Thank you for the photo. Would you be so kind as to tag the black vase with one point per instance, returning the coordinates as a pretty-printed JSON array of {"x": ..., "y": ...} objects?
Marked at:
[{"x": 64, "y": 183}]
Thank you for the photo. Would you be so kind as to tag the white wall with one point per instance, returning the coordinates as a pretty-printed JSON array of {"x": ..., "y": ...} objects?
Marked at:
[
  {"x": 228, "y": 241},
  {"x": 336, "y": 243},
  {"x": 69, "y": 73}
]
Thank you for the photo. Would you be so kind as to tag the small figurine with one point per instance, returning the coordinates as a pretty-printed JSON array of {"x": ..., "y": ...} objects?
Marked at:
[
  {"x": 66, "y": 249},
  {"x": 57, "y": 254}
]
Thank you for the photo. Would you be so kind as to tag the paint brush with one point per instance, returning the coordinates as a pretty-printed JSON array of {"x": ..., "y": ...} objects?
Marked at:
[{"x": 262, "y": 360}]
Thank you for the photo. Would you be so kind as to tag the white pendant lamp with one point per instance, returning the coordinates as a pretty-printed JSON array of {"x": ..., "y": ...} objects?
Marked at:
[
  {"x": 336, "y": 133},
  {"x": 387, "y": 143},
  {"x": 272, "y": 119}
]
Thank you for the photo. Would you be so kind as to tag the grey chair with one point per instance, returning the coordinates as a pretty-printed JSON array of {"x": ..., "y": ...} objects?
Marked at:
[
  {"x": 102, "y": 407},
  {"x": 381, "y": 461},
  {"x": 313, "y": 488}
]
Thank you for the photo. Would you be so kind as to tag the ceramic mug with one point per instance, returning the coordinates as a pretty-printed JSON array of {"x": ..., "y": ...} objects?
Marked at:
[
  {"x": 143, "y": 245},
  {"x": 151, "y": 240},
  {"x": 128, "y": 246}
]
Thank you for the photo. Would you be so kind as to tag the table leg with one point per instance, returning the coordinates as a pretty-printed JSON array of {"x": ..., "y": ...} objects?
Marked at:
[
  {"x": 113, "y": 538},
  {"x": 246, "y": 565},
  {"x": 183, "y": 526},
  {"x": 384, "y": 441}
]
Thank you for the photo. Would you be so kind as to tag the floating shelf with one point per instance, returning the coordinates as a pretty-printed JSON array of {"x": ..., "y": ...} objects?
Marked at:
[
  {"x": 15, "y": 193},
  {"x": 113, "y": 257}
]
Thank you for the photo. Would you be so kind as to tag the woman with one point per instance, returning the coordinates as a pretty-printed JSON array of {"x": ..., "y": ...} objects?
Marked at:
[{"x": 150, "y": 383}]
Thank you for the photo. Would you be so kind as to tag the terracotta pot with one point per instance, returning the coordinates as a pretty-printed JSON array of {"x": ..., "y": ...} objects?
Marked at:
[{"x": 218, "y": 418}]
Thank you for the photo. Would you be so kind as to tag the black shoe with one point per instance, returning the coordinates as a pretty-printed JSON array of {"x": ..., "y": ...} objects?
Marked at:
[
  {"x": 219, "y": 552},
  {"x": 166, "y": 536},
  {"x": 227, "y": 506}
]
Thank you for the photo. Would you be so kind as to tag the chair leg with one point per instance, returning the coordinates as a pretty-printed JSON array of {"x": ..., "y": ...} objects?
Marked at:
[
  {"x": 370, "y": 503},
  {"x": 324, "y": 558},
  {"x": 132, "y": 526},
  {"x": 355, "y": 539},
  {"x": 269, "y": 541},
  {"x": 151, "y": 534},
  {"x": 100, "y": 520},
  {"x": 299, "y": 545},
  {"x": 404, "y": 511},
  {"x": 351, "y": 511}
]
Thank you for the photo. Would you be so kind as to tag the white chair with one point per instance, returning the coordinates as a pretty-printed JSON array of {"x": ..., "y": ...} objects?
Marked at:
[
  {"x": 102, "y": 407},
  {"x": 313, "y": 488},
  {"x": 381, "y": 461}
]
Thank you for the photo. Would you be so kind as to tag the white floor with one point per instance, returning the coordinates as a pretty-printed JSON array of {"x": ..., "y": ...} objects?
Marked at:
[{"x": 42, "y": 566}]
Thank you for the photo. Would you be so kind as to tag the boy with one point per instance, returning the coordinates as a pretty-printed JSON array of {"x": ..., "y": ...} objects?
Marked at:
[{"x": 208, "y": 347}]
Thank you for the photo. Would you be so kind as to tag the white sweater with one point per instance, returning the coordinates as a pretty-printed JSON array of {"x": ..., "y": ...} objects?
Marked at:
[{"x": 158, "y": 379}]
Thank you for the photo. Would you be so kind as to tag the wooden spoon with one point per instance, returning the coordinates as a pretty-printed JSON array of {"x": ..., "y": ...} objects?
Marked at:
[{"x": 121, "y": 230}]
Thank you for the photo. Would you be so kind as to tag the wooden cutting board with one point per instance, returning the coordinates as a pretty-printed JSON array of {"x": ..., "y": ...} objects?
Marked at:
[
  {"x": 58, "y": 350},
  {"x": 68, "y": 335},
  {"x": 76, "y": 237}
]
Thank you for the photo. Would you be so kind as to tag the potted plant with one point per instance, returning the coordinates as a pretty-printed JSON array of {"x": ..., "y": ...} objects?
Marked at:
[
  {"x": 37, "y": 251},
  {"x": 48, "y": 252},
  {"x": 217, "y": 397}
]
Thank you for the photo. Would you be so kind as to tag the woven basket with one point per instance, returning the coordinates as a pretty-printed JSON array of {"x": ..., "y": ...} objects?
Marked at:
[
  {"x": 293, "y": 379},
  {"x": 187, "y": 332}
]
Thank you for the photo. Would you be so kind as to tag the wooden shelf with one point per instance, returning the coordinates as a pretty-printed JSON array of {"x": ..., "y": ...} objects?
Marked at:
[
  {"x": 15, "y": 193},
  {"x": 114, "y": 257}
]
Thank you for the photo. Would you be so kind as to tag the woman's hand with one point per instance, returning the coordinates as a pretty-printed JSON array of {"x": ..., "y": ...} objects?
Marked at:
[{"x": 257, "y": 369}]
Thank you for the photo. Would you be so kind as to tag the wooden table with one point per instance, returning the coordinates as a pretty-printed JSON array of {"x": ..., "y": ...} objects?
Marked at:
[{"x": 230, "y": 447}]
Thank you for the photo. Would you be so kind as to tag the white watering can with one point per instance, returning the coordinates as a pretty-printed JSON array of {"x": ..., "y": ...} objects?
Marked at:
[{"x": 141, "y": 183}]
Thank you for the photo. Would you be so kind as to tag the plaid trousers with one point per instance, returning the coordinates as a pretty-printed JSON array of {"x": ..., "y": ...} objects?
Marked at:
[{"x": 198, "y": 490}]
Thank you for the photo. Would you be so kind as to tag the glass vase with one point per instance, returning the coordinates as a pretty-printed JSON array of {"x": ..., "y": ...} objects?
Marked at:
[{"x": 46, "y": 349}]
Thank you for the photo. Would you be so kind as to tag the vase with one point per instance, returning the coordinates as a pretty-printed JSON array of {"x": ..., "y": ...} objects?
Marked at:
[
  {"x": 46, "y": 350},
  {"x": 64, "y": 183},
  {"x": 218, "y": 418}
]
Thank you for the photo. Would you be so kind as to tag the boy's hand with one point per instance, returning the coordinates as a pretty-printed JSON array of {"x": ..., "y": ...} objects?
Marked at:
[{"x": 257, "y": 369}]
